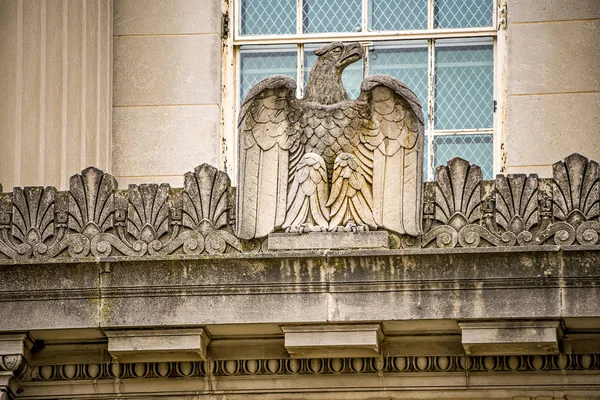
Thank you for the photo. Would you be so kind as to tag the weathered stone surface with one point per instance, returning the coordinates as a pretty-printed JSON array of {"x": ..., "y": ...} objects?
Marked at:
[
  {"x": 56, "y": 90},
  {"x": 573, "y": 119},
  {"x": 533, "y": 52},
  {"x": 543, "y": 171},
  {"x": 155, "y": 17},
  {"x": 412, "y": 287},
  {"x": 328, "y": 240},
  {"x": 552, "y": 10},
  {"x": 294, "y": 289},
  {"x": 310, "y": 341},
  {"x": 328, "y": 163},
  {"x": 158, "y": 345},
  {"x": 511, "y": 338},
  {"x": 140, "y": 135},
  {"x": 166, "y": 70},
  {"x": 15, "y": 344}
]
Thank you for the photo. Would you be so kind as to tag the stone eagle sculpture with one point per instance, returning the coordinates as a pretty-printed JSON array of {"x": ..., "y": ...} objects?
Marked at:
[{"x": 326, "y": 162}]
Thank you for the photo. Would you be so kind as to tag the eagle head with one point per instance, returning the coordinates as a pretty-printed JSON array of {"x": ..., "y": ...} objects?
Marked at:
[
  {"x": 324, "y": 84},
  {"x": 339, "y": 55}
]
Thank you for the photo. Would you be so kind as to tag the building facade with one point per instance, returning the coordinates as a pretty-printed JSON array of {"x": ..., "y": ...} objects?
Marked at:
[{"x": 129, "y": 279}]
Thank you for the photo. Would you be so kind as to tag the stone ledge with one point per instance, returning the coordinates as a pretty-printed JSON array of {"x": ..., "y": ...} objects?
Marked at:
[
  {"x": 332, "y": 288},
  {"x": 329, "y": 240}
]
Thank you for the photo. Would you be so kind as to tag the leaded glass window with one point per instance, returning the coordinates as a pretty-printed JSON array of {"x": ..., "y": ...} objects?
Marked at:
[{"x": 444, "y": 50}]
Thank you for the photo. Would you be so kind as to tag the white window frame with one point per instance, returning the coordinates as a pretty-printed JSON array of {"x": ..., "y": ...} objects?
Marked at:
[{"x": 231, "y": 70}]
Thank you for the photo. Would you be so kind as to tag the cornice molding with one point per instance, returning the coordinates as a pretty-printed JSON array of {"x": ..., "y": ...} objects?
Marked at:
[{"x": 318, "y": 366}]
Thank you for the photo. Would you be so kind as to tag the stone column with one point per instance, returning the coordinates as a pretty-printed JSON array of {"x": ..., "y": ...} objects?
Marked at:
[
  {"x": 55, "y": 66},
  {"x": 553, "y": 83},
  {"x": 167, "y": 78}
]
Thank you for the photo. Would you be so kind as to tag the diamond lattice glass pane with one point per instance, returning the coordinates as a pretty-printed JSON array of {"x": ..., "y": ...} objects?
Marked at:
[
  {"x": 268, "y": 17},
  {"x": 352, "y": 76},
  {"x": 477, "y": 149},
  {"x": 397, "y": 15},
  {"x": 464, "y": 89},
  {"x": 331, "y": 16},
  {"x": 406, "y": 61},
  {"x": 462, "y": 13},
  {"x": 258, "y": 63}
]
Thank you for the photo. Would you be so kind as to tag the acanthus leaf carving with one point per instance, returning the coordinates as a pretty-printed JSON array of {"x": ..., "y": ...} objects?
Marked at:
[
  {"x": 576, "y": 190},
  {"x": 205, "y": 204},
  {"x": 458, "y": 193},
  {"x": 148, "y": 212},
  {"x": 517, "y": 202},
  {"x": 455, "y": 205},
  {"x": 91, "y": 203}
]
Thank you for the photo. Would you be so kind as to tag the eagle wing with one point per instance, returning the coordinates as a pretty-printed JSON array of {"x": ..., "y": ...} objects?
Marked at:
[
  {"x": 390, "y": 149},
  {"x": 267, "y": 137}
]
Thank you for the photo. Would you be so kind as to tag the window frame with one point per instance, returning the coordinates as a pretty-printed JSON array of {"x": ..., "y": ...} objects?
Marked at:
[{"x": 232, "y": 72}]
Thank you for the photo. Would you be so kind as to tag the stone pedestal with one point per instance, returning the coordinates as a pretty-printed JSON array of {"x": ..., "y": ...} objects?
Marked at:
[{"x": 329, "y": 240}]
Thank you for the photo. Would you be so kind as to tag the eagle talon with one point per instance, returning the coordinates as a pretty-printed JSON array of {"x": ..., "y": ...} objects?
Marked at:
[
  {"x": 305, "y": 228},
  {"x": 350, "y": 227}
]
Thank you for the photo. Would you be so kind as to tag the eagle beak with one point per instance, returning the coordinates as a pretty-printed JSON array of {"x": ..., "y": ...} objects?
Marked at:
[{"x": 352, "y": 53}]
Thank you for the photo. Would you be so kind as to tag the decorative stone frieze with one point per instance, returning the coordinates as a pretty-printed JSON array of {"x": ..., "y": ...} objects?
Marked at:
[
  {"x": 95, "y": 219},
  {"x": 462, "y": 210},
  {"x": 317, "y": 366}
]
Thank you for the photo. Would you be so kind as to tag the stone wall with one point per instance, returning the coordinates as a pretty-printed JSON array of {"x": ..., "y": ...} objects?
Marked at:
[
  {"x": 55, "y": 81},
  {"x": 167, "y": 74},
  {"x": 552, "y": 83}
]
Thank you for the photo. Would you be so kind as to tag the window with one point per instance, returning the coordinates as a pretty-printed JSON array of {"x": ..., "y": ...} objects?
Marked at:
[{"x": 444, "y": 50}]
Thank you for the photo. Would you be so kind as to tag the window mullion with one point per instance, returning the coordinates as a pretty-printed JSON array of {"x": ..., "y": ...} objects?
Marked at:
[
  {"x": 365, "y": 71},
  {"x": 499, "y": 49},
  {"x": 299, "y": 16},
  {"x": 430, "y": 13},
  {"x": 300, "y": 71},
  {"x": 237, "y": 16},
  {"x": 431, "y": 104},
  {"x": 365, "y": 16},
  {"x": 452, "y": 132}
]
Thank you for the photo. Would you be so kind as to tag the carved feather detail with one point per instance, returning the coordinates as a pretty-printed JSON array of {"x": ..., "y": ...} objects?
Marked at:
[{"x": 308, "y": 193}]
